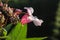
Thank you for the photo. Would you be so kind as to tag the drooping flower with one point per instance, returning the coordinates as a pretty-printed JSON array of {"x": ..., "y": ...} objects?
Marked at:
[
  {"x": 34, "y": 19},
  {"x": 26, "y": 18}
]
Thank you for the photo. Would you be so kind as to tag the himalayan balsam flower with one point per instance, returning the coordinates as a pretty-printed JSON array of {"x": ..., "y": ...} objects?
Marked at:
[
  {"x": 26, "y": 18},
  {"x": 31, "y": 18}
]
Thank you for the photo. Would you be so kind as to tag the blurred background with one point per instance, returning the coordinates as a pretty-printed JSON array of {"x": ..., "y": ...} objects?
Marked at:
[{"x": 47, "y": 10}]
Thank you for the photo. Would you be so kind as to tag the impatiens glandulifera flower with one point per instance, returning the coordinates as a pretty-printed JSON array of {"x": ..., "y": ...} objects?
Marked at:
[
  {"x": 35, "y": 20},
  {"x": 26, "y": 19}
]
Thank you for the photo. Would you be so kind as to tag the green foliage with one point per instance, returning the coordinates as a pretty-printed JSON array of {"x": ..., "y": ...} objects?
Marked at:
[{"x": 19, "y": 33}]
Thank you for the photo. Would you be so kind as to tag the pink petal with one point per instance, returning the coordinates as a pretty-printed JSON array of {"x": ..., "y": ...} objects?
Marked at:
[{"x": 25, "y": 19}]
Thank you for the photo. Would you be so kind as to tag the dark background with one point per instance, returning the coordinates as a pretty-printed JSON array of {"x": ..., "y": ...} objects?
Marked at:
[{"x": 45, "y": 10}]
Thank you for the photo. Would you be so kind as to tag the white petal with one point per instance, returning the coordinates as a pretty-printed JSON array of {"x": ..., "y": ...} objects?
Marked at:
[
  {"x": 30, "y": 10},
  {"x": 37, "y": 22}
]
